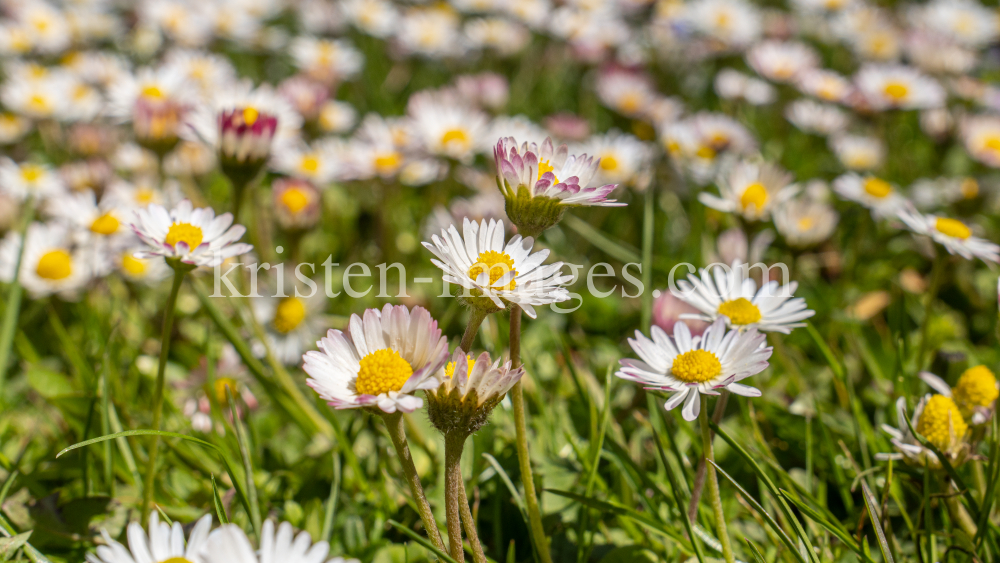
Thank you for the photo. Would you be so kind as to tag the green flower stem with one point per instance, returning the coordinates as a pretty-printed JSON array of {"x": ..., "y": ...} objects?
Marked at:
[
  {"x": 523, "y": 455},
  {"x": 14, "y": 295},
  {"x": 168, "y": 326},
  {"x": 453, "y": 444},
  {"x": 712, "y": 482},
  {"x": 647, "y": 258},
  {"x": 476, "y": 317},
  {"x": 394, "y": 424},
  {"x": 959, "y": 515},
  {"x": 470, "y": 526}
]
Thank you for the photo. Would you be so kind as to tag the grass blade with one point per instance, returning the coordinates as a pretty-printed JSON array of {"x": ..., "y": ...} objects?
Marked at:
[
  {"x": 678, "y": 497},
  {"x": 872, "y": 505},
  {"x": 220, "y": 511},
  {"x": 758, "y": 557},
  {"x": 241, "y": 439},
  {"x": 619, "y": 510},
  {"x": 421, "y": 540}
]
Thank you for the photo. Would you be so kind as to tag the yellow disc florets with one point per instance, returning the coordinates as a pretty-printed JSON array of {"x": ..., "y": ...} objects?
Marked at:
[
  {"x": 294, "y": 199},
  {"x": 977, "y": 387},
  {"x": 220, "y": 388},
  {"x": 952, "y": 228},
  {"x": 185, "y": 232},
  {"x": 382, "y": 371},
  {"x": 756, "y": 195},
  {"x": 696, "y": 366},
  {"x": 740, "y": 311},
  {"x": 55, "y": 265},
  {"x": 132, "y": 265},
  {"x": 897, "y": 91},
  {"x": 941, "y": 422},
  {"x": 289, "y": 315},
  {"x": 106, "y": 224},
  {"x": 177, "y": 560},
  {"x": 546, "y": 166},
  {"x": 877, "y": 187},
  {"x": 497, "y": 264},
  {"x": 449, "y": 368}
]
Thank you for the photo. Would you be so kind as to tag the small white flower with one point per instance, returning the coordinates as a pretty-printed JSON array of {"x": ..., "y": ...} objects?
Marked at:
[
  {"x": 623, "y": 157},
  {"x": 163, "y": 543},
  {"x": 872, "y": 192},
  {"x": 954, "y": 235},
  {"x": 782, "y": 61},
  {"x": 824, "y": 84},
  {"x": 444, "y": 125},
  {"x": 898, "y": 87},
  {"x": 814, "y": 117},
  {"x": 733, "y": 22},
  {"x": 229, "y": 544},
  {"x": 691, "y": 366},
  {"x": 382, "y": 361},
  {"x": 49, "y": 264},
  {"x": 191, "y": 236},
  {"x": 326, "y": 60},
  {"x": 981, "y": 136},
  {"x": 291, "y": 323},
  {"x": 858, "y": 152},
  {"x": 502, "y": 272},
  {"x": 734, "y": 85},
  {"x": 29, "y": 180},
  {"x": 728, "y": 292},
  {"x": 803, "y": 222},
  {"x": 751, "y": 189}
]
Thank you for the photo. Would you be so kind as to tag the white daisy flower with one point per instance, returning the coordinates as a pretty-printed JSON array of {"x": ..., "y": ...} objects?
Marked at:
[
  {"x": 494, "y": 272},
  {"x": 804, "y": 222},
  {"x": 938, "y": 419},
  {"x": 814, "y": 117},
  {"x": 187, "y": 235},
  {"x": 826, "y": 85},
  {"x": 163, "y": 543},
  {"x": 690, "y": 366},
  {"x": 782, "y": 61},
  {"x": 162, "y": 86},
  {"x": 500, "y": 34},
  {"x": 319, "y": 163},
  {"x": 981, "y": 136},
  {"x": 470, "y": 388},
  {"x": 49, "y": 264},
  {"x": 954, "y": 235},
  {"x": 377, "y": 18},
  {"x": 291, "y": 323},
  {"x": 444, "y": 125},
  {"x": 336, "y": 116},
  {"x": 383, "y": 360},
  {"x": 733, "y": 22},
  {"x": 898, "y": 87},
  {"x": 207, "y": 71},
  {"x": 628, "y": 93},
  {"x": 326, "y": 60},
  {"x": 734, "y": 85},
  {"x": 38, "y": 98},
  {"x": 858, "y": 152},
  {"x": 730, "y": 293},
  {"x": 751, "y": 189},
  {"x": 872, "y": 192},
  {"x": 622, "y": 157},
  {"x": 432, "y": 32},
  {"x": 230, "y": 544},
  {"x": 29, "y": 180},
  {"x": 965, "y": 21}
]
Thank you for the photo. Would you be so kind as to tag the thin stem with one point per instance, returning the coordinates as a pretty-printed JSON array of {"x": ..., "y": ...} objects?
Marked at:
[
  {"x": 523, "y": 455},
  {"x": 712, "y": 481},
  {"x": 470, "y": 527},
  {"x": 453, "y": 444},
  {"x": 959, "y": 515},
  {"x": 937, "y": 272},
  {"x": 168, "y": 326},
  {"x": 476, "y": 317},
  {"x": 394, "y": 424},
  {"x": 647, "y": 257},
  {"x": 14, "y": 295},
  {"x": 699, "y": 476}
]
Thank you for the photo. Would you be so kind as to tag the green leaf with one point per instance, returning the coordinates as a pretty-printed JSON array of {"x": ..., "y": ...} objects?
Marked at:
[
  {"x": 220, "y": 511},
  {"x": 758, "y": 557},
  {"x": 831, "y": 526},
  {"x": 421, "y": 540},
  {"x": 872, "y": 504},
  {"x": 10, "y": 546},
  {"x": 626, "y": 512},
  {"x": 510, "y": 485},
  {"x": 678, "y": 497}
]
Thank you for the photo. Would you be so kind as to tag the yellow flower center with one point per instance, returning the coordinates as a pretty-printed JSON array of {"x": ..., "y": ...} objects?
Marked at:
[
  {"x": 449, "y": 368},
  {"x": 546, "y": 166},
  {"x": 294, "y": 200},
  {"x": 388, "y": 162},
  {"x": 952, "y": 228},
  {"x": 969, "y": 188},
  {"x": 877, "y": 187},
  {"x": 250, "y": 115},
  {"x": 740, "y": 311},
  {"x": 806, "y": 223},
  {"x": 55, "y": 265},
  {"x": 455, "y": 136},
  {"x": 144, "y": 196},
  {"x": 756, "y": 195},
  {"x": 184, "y": 232},
  {"x": 976, "y": 388},
  {"x": 896, "y": 90},
  {"x": 609, "y": 162},
  {"x": 497, "y": 264},
  {"x": 133, "y": 265},
  {"x": 289, "y": 315},
  {"x": 38, "y": 102},
  {"x": 152, "y": 92},
  {"x": 630, "y": 102},
  {"x": 220, "y": 395},
  {"x": 382, "y": 371},
  {"x": 941, "y": 421},
  {"x": 310, "y": 163},
  {"x": 992, "y": 143},
  {"x": 106, "y": 224},
  {"x": 706, "y": 152},
  {"x": 696, "y": 366},
  {"x": 31, "y": 172}
]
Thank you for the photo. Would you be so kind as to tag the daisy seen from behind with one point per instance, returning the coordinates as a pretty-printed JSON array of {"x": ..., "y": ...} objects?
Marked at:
[{"x": 955, "y": 236}]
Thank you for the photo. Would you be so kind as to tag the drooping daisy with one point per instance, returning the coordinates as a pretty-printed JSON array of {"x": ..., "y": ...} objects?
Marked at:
[
  {"x": 872, "y": 192},
  {"x": 728, "y": 292},
  {"x": 444, "y": 125},
  {"x": 751, "y": 189},
  {"x": 782, "y": 61},
  {"x": 690, "y": 366},
  {"x": 29, "y": 180},
  {"x": 50, "y": 264},
  {"x": 975, "y": 393},
  {"x": 163, "y": 543},
  {"x": 898, "y": 87},
  {"x": 382, "y": 361},
  {"x": 858, "y": 152},
  {"x": 230, "y": 544},
  {"x": 187, "y": 235},
  {"x": 814, "y": 117},
  {"x": 470, "y": 388},
  {"x": 494, "y": 273},
  {"x": 938, "y": 419},
  {"x": 954, "y": 235},
  {"x": 804, "y": 222}
]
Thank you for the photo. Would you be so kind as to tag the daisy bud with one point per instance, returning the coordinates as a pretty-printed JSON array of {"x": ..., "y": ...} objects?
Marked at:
[
  {"x": 245, "y": 136},
  {"x": 470, "y": 389},
  {"x": 156, "y": 122},
  {"x": 296, "y": 203}
]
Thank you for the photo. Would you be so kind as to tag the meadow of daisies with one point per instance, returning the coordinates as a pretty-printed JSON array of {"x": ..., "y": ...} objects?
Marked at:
[{"x": 313, "y": 281}]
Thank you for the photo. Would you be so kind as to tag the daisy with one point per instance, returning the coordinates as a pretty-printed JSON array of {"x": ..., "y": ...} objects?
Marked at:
[
  {"x": 858, "y": 152},
  {"x": 336, "y": 116},
  {"x": 965, "y": 21},
  {"x": 161, "y": 87},
  {"x": 732, "y": 22},
  {"x": 716, "y": 133},
  {"x": 689, "y": 367},
  {"x": 29, "y": 180},
  {"x": 469, "y": 390},
  {"x": 306, "y": 95},
  {"x": 814, "y": 117},
  {"x": 326, "y": 60},
  {"x": 377, "y": 18},
  {"x": 431, "y": 32},
  {"x": 981, "y": 136},
  {"x": 729, "y": 293},
  {"x": 872, "y": 192},
  {"x": 628, "y": 93},
  {"x": 938, "y": 419},
  {"x": 781, "y": 61},
  {"x": 318, "y": 164},
  {"x": 804, "y": 223},
  {"x": 444, "y": 126},
  {"x": 49, "y": 262},
  {"x": 499, "y": 34},
  {"x": 383, "y": 360},
  {"x": 517, "y": 126},
  {"x": 13, "y": 128},
  {"x": 229, "y": 544},
  {"x": 898, "y": 87},
  {"x": 296, "y": 203},
  {"x": 495, "y": 273},
  {"x": 734, "y": 85},
  {"x": 38, "y": 97},
  {"x": 187, "y": 235},
  {"x": 207, "y": 71},
  {"x": 145, "y": 270},
  {"x": 826, "y": 85},
  {"x": 485, "y": 89},
  {"x": 975, "y": 393},
  {"x": 163, "y": 543},
  {"x": 622, "y": 158},
  {"x": 751, "y": 189},
  {"x": 954, "y": 235},
  {"x": 291, "y": 323}
]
